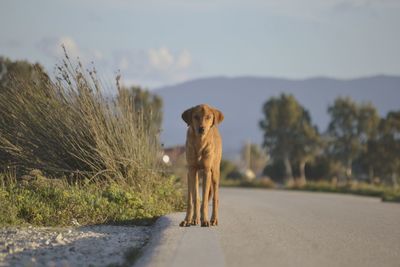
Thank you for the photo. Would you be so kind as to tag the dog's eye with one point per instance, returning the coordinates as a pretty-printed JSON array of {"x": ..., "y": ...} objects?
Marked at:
[{"x": 208, "y": 117}]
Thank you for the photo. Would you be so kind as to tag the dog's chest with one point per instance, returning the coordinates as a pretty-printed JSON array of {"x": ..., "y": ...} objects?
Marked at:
[{"x": 199, "y": 155}]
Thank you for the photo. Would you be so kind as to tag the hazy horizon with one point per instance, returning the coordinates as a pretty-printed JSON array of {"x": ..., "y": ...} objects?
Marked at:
[{"x": 163, "y": 86}]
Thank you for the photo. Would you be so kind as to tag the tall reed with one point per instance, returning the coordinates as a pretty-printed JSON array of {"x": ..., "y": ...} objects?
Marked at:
[{"x": 68, "y": 126}]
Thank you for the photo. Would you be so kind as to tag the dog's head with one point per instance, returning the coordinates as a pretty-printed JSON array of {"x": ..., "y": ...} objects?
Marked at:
[{"x": 202, "y": 118}]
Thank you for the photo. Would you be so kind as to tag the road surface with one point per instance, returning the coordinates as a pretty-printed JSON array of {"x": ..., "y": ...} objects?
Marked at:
[{"x": 282, "y": 228}]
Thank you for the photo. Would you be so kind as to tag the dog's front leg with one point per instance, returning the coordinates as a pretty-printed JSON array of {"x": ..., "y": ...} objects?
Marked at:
[
  {"x": 214, "y": 186},
  {"x": 196, "y": 200},
  {"x": 206, "y": 191},
  {"x": 190, "y": 197}
]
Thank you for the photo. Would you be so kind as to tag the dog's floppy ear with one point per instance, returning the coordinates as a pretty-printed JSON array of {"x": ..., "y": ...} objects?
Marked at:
[
  {"x": 187, "y": 116},
  {"x": 218, "y": 116}
]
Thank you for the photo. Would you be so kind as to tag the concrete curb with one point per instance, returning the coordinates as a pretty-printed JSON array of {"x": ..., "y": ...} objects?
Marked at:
[
  {"x": 174, "y": 246},
  {"x": 158, "y": 237}
]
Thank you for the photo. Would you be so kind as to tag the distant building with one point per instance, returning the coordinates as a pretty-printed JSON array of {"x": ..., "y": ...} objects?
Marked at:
[{"x": 172, "y": 154}]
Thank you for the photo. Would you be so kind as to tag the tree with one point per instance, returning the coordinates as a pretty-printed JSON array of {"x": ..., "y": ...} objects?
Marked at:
[
  {"x": 142, "y": 101},
  {"x": 20, "y": 70},
  {"x": 350, "y": 128},
  {"x": 389, "y": 145},
  {"x": 288, "y": 133},
  {"x": 254, "y": 157},
  {"x": 276, "y": 170},
  {"x": 369, "y": 122},
  {"x": 307, "y": 145}
]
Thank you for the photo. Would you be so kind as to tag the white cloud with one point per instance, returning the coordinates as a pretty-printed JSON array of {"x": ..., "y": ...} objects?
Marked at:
[
  {"x": 151, "y": 67},
  {"x": 123, "y": 64},
  {"x": 155, "y": 66},
  {"x": 98, "y": 55},
  {"x": 69, "y": 44},
  {"x": 184, "y": 59},
  {"x": 161, "y": 58},
  {"x": 164, "y": 60},
  {"x": 52, "y": 46}
]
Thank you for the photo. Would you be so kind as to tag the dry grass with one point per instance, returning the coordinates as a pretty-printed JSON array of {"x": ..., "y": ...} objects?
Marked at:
[{"x": 68, "y": 128}]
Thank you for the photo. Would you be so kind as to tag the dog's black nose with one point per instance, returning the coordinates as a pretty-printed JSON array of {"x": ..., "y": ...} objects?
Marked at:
[{"x": 201, "y": 130}]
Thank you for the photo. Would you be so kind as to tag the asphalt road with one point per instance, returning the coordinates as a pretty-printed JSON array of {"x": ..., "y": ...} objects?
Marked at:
[{"x": 282, "y": 228}]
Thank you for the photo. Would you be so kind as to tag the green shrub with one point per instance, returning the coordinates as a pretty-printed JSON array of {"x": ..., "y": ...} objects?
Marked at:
[
  {"x": 48, "y": 204},
  {"x": 358, "y": 188},
  {"x": 259, "y": 183},
  {"x": 391, "y": 195},
  {"x": 262, "y": 182},
  {"x": 275, "y": 170}
]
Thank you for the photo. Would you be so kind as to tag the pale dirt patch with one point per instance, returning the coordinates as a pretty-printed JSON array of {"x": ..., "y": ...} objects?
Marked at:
[{"x": 102, "y": 245}]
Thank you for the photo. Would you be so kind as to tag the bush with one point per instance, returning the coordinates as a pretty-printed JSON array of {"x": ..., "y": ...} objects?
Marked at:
[
  {"x": 391, "y": 195},
  {"x": 41, "y": 202},
  {"x": 275, "y": 170},
  {"x": 356, "y": 188},
  {"x": 229, "y": 171},
  {"x": 263, "y": 182}
]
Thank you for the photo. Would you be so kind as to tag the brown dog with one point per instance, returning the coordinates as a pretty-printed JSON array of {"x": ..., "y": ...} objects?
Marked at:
[{"x": 203, "y": 155}]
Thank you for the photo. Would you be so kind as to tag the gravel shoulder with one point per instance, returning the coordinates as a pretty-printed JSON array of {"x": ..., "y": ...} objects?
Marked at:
[{"x": 101, "y": 245}]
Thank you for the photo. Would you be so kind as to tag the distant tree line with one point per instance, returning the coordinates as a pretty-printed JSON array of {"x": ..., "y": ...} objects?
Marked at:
[{"x": 358, "y": 143}]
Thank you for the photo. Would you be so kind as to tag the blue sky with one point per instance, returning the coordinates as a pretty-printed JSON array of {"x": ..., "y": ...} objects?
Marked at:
[{"x": 155, "y": 43}]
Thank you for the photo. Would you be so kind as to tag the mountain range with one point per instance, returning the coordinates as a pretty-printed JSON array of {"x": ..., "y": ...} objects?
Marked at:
[{"x": 241, "y": 100}]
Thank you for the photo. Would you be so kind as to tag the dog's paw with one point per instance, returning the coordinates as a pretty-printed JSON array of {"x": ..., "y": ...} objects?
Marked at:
[
  {"x": 184, "y": 224},
  {"x": 205, "y": 224},
  {"x": 214, "y": 222},
  {"x": 196, "y": 222}
]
